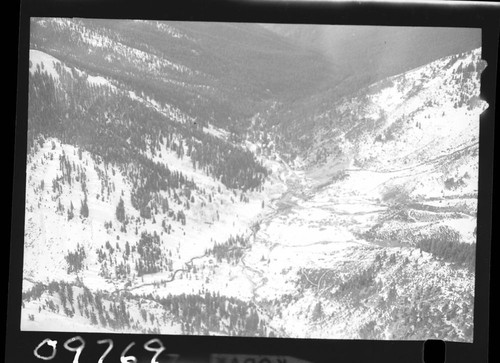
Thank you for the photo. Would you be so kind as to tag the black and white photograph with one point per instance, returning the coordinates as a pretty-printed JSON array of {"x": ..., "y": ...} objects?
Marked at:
[{"x": 306, "y": 181}]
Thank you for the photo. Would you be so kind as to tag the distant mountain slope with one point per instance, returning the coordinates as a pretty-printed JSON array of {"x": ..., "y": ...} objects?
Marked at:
[
  {"x": 366, "y": 54},
  {"x": 267, "y": 62},
  {"x": 429, "y": 115},
  {"x": 228, "y": 68},
  {"x": 297, "y": 120}
]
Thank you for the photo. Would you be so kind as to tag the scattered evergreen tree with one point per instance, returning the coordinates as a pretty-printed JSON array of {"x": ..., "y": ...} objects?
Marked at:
[
  {"x": 71, "y": 213},
  {"x": 84, "y": 209},
  {"x": 317, "y": 312},
  {"x": 120, "y": 211}
]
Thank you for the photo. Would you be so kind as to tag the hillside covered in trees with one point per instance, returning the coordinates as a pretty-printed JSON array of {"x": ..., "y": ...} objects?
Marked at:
[{"x": 211, "y": 179}]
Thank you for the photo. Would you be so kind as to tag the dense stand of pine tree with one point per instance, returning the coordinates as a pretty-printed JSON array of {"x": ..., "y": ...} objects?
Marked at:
[
  {"x": 230, "y": 251},
  {"x": 208, "y": 312},
  {"x": 75, "y": 259},
  {"x": 460, "y": 253},
  {"x": 204, "y": 313},
  {"x": 149, "y": 249},
  {"x": 138, "y": 65}
]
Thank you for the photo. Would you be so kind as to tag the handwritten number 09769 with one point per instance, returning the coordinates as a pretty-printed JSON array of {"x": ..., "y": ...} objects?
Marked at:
[{"x": 153, "y": 345}]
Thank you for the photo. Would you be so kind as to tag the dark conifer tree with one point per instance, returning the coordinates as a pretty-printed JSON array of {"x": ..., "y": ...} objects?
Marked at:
[
  {"x": 84, "y": 209},
  {"x": 120, "y": 211}
]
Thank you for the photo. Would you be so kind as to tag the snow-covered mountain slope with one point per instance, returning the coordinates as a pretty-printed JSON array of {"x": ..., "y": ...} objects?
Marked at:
[
  {"x": 124, "y": 193},
  {"x": 50, "y": 193},
  {"x": 374, "y": 228},
  {"x": 411, "y": 139},
  {"x": 152, "y": 209},
  {"x": 424, "y": 116}
]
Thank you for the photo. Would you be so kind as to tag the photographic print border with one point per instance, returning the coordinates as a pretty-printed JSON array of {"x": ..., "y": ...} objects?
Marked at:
[{"x": 20, "y": 345}]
